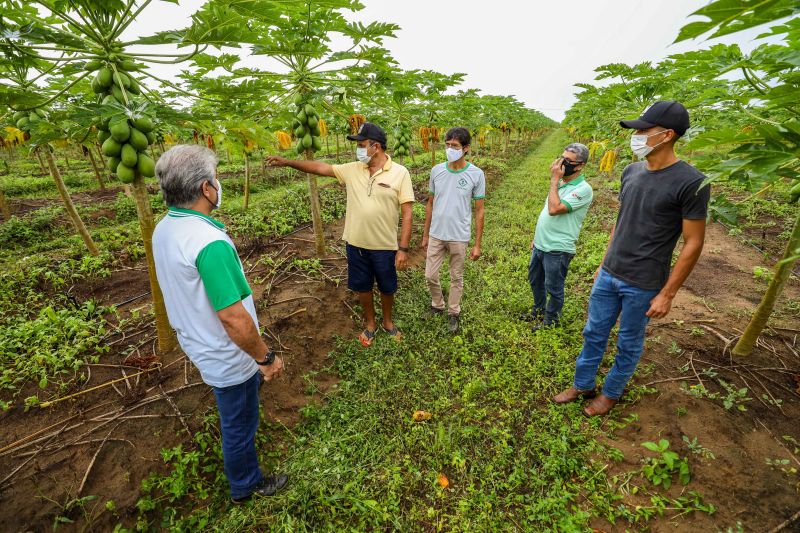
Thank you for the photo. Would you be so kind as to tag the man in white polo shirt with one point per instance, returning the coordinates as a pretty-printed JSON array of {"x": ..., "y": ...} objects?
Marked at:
[
  {"x": 454, "y": 186},
  {"x": 210, "y": 305}
]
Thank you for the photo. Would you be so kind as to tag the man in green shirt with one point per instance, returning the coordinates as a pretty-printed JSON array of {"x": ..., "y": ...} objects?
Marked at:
[{"x": 557, "y": 229}]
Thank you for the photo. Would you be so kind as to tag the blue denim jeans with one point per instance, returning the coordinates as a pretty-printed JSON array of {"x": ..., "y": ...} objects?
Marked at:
[
  {"x": 546, "y": 274},
  {"x": 612, "y": 298},
  {"x": 238, "y": 407}
]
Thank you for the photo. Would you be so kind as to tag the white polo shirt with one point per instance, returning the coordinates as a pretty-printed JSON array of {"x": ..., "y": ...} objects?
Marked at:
[{"x": 200, "y": 273}]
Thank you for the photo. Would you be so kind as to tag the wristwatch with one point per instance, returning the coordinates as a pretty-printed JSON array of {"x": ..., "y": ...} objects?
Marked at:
[
  {"x": 403, "y": 249},
  {"x": 268, "y": 359}
]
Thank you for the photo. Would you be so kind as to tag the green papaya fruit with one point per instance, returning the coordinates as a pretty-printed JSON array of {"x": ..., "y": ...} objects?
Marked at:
[
  {"x": 143, "y": 124},
  {"x": 111, "y": 148},
  {"x": 295, "y": 123},
  {"x": 23, "y": 123},
  {"x": 312, "y": 121},
  {"x": 146, "y": 166},
  {"x": 135, "y": 88},
  {"x": 315, "y": 132},
  {"x": 151, "y": 137},
  {"x": 309, "y": 109},
  {"x": 94, "y": 64},
  {"x": 104, "y": 77},
  {"x": 128, "y": 155},
  {"x": 126, "y": 173},
  {"x": 307, "y": 141},
  {"x": 102, "y": 136},
  {"x": 299, "y": 147},
  {"x": 300, "y": 131},
  {"x": 120, "y": 78},
  {"x": 138, "y": 140},
  {"x": 33, "y": 117},
  {"x": 109, "y": 99},
  {"x": 302, "y": 117},
  {"x": 120, "y": 130},
  {"x": 299, "y": 99},
  {"x": 316, "y": 143},
  {"x": 117, "y": 92},
  {"x": 113, "y": 163},
  {"x": 19, "y": 114},
  {"x": 127, "y": 65},
  {"x": 39, "y": 111}
]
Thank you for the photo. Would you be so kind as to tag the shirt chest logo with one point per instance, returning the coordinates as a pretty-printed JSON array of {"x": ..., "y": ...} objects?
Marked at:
[{"x": 462, "y": 184}]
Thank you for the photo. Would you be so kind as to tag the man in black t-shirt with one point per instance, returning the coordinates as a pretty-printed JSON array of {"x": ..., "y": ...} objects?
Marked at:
[{"x": 661, "y": 199}]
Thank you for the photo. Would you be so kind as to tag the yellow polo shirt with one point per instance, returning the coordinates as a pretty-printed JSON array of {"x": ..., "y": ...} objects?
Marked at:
[{"x": 373, "y": 203}]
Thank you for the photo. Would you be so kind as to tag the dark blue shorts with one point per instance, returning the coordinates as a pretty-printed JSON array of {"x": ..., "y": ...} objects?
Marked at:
[{"x": 365, "y": 267}]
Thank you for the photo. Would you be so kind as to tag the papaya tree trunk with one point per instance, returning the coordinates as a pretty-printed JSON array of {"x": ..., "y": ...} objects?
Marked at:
[
  {"x": 338, "y": 150},
  {"x": 72, "y": 213},
  {"x": 507, "y": 136},
  {"x": 164, "y": 333},
  {"x": 101, "y": 158},
  {"x": 327, "y": 146},
  {"x": 66, "y": 160},
  {"x": 41, "y": 162},
  {"x": 759, "y": 319},
  {"x": 316, "y": 212},
  {"x": 433, "y": 153},
  {"x": 97, "y": 173},
  {"x": 246, "y": 180},
  {"x": 4, "y": 209},
  {"x": 411, "y": 152}
]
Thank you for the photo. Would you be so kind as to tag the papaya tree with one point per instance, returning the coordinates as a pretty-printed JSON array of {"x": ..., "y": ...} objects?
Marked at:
[
  {"x": 768, "y": 150},
  {"x": 89, "y": 34},
  {"x": 20, "y": 75},
  {"x": 303, "y": 40}
]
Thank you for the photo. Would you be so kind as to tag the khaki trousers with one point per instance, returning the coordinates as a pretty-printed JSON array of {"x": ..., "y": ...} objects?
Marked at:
[{"x": 437, "y": 250}]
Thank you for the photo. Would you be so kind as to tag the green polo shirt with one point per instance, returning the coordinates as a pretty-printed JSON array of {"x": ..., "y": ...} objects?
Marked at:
[{"x": 558, "y": 233}]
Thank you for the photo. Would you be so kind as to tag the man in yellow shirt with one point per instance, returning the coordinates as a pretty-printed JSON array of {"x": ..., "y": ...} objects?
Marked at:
[{"x": 378, "y": 190}]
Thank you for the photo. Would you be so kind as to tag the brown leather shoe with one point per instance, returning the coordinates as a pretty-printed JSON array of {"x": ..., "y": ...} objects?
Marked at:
[
  {"x": 600, "y": 406},
  {"x": 572, "y": 394}
]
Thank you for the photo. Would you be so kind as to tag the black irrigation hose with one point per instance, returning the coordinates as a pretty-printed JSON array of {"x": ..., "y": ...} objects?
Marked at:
[{"x": 129, "y": 300}]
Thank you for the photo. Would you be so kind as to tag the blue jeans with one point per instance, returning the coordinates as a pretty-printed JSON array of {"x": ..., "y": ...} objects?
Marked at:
[
  {"x": 238, "y": 419},
  {"x": 612, "y": 298},
  {"x": 546, "y": 274}
]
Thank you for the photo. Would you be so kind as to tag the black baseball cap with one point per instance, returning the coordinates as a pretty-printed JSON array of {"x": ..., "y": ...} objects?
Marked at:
[
  {"x": 369, "y": 131},
  {"x": 667, "y": 114}
]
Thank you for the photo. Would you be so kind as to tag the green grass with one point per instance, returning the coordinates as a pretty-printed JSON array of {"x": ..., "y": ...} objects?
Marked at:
[{"x": 513, "y": 460}]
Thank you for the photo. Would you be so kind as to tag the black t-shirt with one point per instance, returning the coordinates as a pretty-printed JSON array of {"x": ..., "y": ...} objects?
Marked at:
[{"x": 653, "y": 205}]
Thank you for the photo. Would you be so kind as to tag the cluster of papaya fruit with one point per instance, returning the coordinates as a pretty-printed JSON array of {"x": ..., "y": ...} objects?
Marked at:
[
  {"x": 25, "y": 119},
  {"x": 124, "y": 137},
  {"x": 402, "y": 144},
  {"x": 306, "y": 125}
]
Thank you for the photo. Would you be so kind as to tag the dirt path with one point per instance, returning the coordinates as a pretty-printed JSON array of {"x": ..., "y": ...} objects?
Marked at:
[{"x": 715, "y": 304}]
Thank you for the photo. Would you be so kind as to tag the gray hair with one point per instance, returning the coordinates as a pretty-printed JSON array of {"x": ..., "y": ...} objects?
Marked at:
[
  {"x": 181, "y": 171},
  {"x": 579, "y": 150}
]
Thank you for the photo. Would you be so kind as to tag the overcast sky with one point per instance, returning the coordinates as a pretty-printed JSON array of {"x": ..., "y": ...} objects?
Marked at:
[{"x": 534, "y": 50}]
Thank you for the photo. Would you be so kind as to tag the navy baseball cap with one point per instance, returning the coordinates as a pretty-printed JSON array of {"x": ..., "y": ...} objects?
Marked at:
[
  {"x": 667, "y": 114},
  {"x": 369, "y": 131}
]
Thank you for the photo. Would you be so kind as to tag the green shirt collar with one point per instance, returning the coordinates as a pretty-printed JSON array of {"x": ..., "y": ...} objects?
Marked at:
[
  {"x": 180, "y": 211},
  {"x": 574, "y": 182},
  {"x": 447, "y": 166}
]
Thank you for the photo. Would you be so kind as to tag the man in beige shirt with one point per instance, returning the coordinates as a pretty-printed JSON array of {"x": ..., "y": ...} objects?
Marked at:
[{"x": 378, "y": 191}]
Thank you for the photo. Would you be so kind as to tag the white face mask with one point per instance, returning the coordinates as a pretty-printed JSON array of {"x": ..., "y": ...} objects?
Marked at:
[
  {"x": 362, "y": 155},
  {"x": 454, "y": 155},
  {"x": 219, "y": 194},
  {"x": 639, "y": 145}
]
